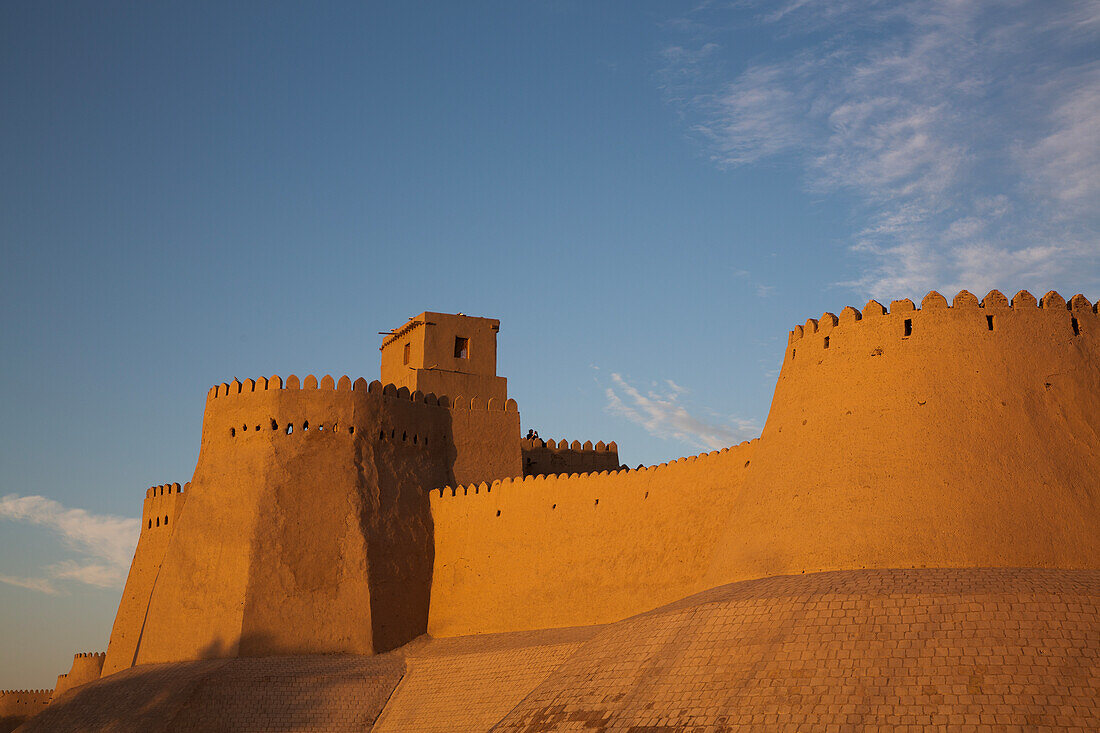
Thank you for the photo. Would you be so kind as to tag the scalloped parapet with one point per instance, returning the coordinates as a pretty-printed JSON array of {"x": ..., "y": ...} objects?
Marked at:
[
  {"x": 966, "y": 312},
  {"x": 328, "y": 384},
  {"x": 18, "y": 706},
  {"x": 544, "y": 457}
]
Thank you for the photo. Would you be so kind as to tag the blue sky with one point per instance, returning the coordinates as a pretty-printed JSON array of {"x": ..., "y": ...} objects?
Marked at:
[{"x": 647, "y": 194}]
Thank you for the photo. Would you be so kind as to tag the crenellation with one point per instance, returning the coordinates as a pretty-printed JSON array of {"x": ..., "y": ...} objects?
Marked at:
[
  {"x": 1024, "y": 299},
  {"x": 290, "y": 546},
  {"x": 1052, "y": 301}
]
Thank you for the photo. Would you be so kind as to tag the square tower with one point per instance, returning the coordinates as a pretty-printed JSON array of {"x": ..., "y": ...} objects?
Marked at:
[{"x": 448, "y": 354}]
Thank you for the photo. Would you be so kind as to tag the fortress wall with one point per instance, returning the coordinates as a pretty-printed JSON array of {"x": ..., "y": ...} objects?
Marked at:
[
  {"x": 159, "y": 516},
  {"x": 306, "y": 526},
  {"x": 957, "y": 436},
  {"x": 545, "y": 457},
  {"x": 576, "y": 550},
  {"x": 16, "y": 706},
  {"x": 86, "y": 667}
]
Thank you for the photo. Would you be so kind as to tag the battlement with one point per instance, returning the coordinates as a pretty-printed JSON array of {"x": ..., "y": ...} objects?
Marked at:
[
  {"x": 360, "y": 385},
  {"x": 484, "y": 487},
  {"x": 576, "y": 445},
  {"x": 163, "y": 489},
  {"x": 1078, "y": 313},
  {"x": 162, "y": 505},
  {"x": 549, "y": 457}
]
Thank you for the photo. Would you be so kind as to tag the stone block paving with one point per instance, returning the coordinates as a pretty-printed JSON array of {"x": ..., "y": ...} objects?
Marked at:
[
  {"x": 314, "y": 693},
  {"x": 959, "y": 650},
  {"x": 469, "y": 683}
]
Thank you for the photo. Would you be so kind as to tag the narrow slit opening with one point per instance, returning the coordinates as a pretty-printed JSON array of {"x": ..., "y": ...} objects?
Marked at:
[
  {"x": 989, "y": 322},
  {"x": 908, "y": 326},
  {"x": 1076, "y": 326},
  {"x": 289, "y": 428},
  {"x": 826, "y": 342}
]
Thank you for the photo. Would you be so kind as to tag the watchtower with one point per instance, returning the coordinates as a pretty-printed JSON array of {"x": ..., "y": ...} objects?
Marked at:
[{"x": 448, "y": 354}]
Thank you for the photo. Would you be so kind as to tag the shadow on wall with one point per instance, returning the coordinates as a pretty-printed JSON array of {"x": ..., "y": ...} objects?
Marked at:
[
  {"x": 401, "y": 535},
  {"x": 319, "y": 692}
]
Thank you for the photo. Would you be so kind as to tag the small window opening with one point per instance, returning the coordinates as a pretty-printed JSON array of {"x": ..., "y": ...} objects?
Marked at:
[
  {"x": 404, "y": 436},
  {"x": 989, "y": 322},
  {"x": 597, "y": 502},
  {"x": 351, "y": 430},
  {"x": 150, "y": 524},
  {"x": 381, "y": 434},
  {"x": 165, "y": 520},
  {"x": 158, "y": 521},
  {"x": 289, "y": 428},
  {"x": 792, "y": 354},
  {"x": 646, "y": 495},
  {"x": 498, "y": 512},
  {"x": 908, "y": 326},
  {"x": 1076, "y": 326},
  {"x": 407, "y": 353},
  {"x": 553, "y": 506},
  {"x": 462, "y": 347},
  {"x": 414, "y": 438},
  {"x": 244, "y": 427},
  {"x": 321, "y": 426},
  {"x": 274, "y": 425},
  {"x": 425, "y": 440},
  {"x": 257, "y": 428},
  {"x": 826, "y": 342},
  {"x": 305, "y": 425},
  {"x": 393, "y": 432},
  {"x": 232, "y": 432}
]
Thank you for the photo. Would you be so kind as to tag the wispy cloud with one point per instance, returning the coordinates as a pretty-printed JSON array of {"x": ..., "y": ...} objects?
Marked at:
[
  {"x": 105, "y": 543},
  {"x": 660, "y": 411},
  {"x": 964, "y": 131},
  {"x": 41, "y": 585}
]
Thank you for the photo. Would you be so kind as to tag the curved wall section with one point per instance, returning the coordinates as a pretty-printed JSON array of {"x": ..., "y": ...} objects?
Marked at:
[{"x": 957, "y": 436}]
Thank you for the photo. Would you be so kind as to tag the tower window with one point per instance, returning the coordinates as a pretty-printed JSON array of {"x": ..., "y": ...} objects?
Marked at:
[
  {"x": 908, "y": 327},
  {"x": 407, "y": 354},
  {"x": 462, "y": 347},
  {"x": 826, "y": 342},
  {"x": 989, "y": 322}
]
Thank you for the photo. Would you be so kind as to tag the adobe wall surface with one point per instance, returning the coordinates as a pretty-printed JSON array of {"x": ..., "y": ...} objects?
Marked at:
[
  {"x": 432, "y": 364},
  {"x": 982, "y": 650},
  {"x": 306, "y": 526},
  {"x": 953, "y": 446},
  {"x": 159, "y": 515},
  {"x": 959, "y": 436},
  {"x": 574, "y": 550},
  {"x": 18, "y": 706},
  {"x": 546, "y": 457},
  {"x": 86, "y": 667}
]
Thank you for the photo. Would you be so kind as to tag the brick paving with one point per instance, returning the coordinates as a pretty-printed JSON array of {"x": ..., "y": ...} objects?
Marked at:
[
  {"x": 469, "y": 683},
  {"x": 960, "y": 650}
]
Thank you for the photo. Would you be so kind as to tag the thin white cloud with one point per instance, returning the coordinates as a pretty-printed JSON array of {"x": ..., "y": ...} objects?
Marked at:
[
  {"x": 662, "y": 415},
  {"x": 965, "y": 132},
  {"x": 104, "y": 542},
  {"x": 41, "y": 585}
]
